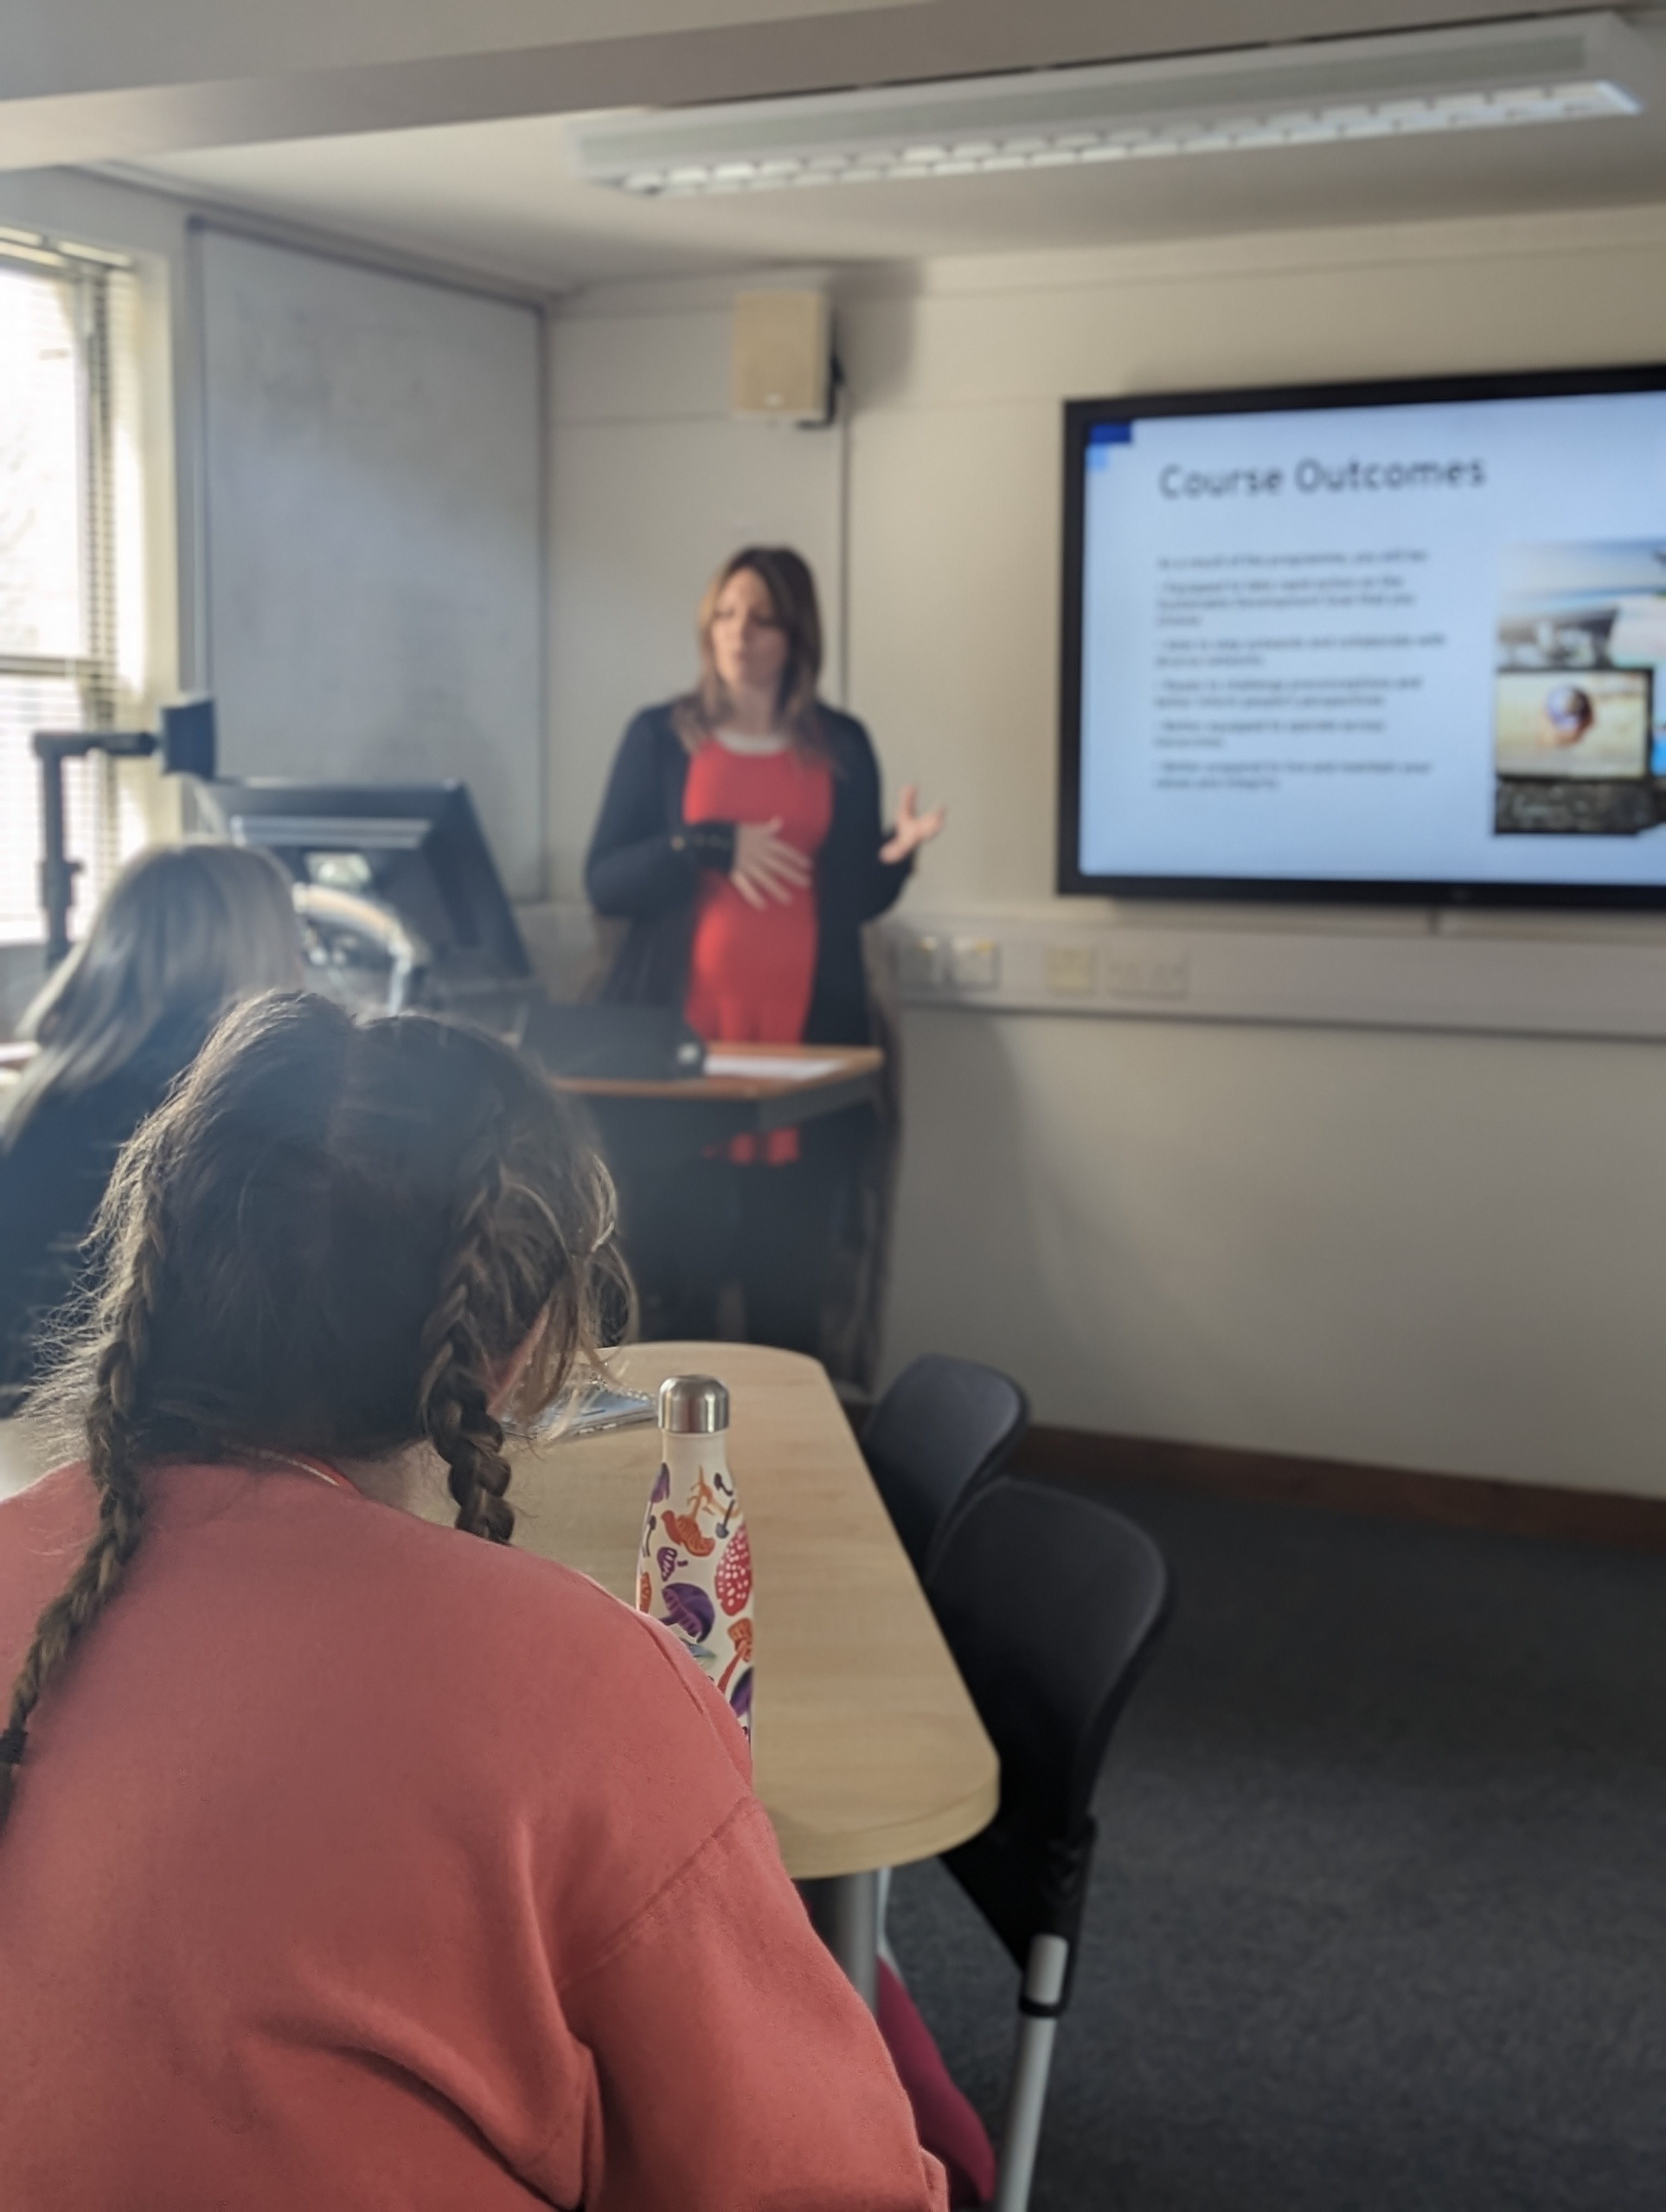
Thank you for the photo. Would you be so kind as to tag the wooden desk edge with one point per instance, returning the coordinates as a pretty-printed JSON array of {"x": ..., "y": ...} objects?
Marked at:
[
  {"x": 810, "y": 1856},
  {"x": 854, "y": 1061}
]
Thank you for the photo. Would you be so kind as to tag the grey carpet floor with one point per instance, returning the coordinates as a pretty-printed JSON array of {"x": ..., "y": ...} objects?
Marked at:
[{"x": 1379, "y": 1915}]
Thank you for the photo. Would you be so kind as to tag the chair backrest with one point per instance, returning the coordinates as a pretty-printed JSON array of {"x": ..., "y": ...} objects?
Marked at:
[
  {"x": 1051, "y": 1604},
  {"x": 944, "y": 1426}
]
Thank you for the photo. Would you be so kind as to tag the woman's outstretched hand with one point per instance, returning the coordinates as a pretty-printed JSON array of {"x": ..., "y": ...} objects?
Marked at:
[
  {"x": 765, "y": 866},
  {"x": 912, "y": 830}
]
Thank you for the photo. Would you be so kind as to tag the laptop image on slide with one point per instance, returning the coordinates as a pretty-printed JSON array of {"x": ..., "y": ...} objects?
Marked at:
[
  {"x": 1575, "y": 749},
  {"x": 1571, "y": 753}
]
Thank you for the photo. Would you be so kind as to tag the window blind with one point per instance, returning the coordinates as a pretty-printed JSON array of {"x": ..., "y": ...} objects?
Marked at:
[{"x": 60, "y": 312}]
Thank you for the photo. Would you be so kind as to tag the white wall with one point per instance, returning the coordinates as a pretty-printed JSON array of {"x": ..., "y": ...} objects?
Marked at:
[{"x": 1438, "y": 1252}]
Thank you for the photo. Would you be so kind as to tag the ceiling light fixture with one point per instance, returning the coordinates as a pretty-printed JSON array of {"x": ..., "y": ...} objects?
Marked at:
[{"x": 1550, "y": 69}]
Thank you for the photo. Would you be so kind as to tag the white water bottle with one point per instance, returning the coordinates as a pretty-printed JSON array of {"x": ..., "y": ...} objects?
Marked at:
[{"x": 696, "y": 1571}]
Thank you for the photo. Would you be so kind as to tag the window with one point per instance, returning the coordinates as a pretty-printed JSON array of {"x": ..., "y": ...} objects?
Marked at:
[{"x": 61, "y": 313}]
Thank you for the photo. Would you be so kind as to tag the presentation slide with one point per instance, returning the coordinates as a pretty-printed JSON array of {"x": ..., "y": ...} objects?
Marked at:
[{"x": 1399, "y": 644}]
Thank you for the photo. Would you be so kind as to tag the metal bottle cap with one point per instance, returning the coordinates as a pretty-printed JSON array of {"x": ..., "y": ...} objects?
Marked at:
[{"x": 693, "y": 1406}]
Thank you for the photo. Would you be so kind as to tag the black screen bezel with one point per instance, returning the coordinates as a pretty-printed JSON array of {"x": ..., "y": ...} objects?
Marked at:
[
  {"x": 1081, "y": 415},
  {"x": 450, "y": 878}
]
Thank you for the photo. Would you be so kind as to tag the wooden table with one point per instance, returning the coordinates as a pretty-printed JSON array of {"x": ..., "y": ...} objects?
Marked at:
[
  {"x": 867, "y": 1751},
  {"x": 684, "y": 1117}
]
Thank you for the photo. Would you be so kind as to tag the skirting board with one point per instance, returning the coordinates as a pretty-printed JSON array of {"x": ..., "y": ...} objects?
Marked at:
[
  {"x": 1575, "y": 975},
  {"x": 1516, "y": 1508}
]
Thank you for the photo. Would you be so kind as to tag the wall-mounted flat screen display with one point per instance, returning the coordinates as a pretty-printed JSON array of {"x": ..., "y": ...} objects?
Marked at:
[{"x": 1394, "y": 642}]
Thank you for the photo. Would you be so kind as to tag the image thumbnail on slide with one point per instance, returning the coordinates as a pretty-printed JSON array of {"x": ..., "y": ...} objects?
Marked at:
[{"x": 1582, "y": 629}]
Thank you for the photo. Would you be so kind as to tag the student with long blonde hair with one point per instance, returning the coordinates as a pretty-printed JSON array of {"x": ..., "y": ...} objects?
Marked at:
[
  {"x": 348, "y": 1860},
  {"x": 186, "y": 931}
]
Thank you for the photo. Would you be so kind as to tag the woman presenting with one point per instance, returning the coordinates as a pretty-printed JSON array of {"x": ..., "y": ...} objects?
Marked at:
[{"x": 740, "y": 838}]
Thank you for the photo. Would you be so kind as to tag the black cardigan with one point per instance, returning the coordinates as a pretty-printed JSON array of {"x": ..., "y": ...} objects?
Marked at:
[{"x": 644, "y": 865}]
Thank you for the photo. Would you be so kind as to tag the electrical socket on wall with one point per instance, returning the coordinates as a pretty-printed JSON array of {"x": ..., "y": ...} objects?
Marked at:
[
  {"x": 1071, "y": 970},
  {"x": 921, "y": 963},
  {"x": 975, "y": 963},
  {"x": 1147, "y": 976}
]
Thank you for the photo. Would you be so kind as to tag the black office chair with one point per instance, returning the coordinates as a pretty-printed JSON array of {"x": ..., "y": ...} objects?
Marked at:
[
  {"x": 944, "y": 1426},
  {"x": 1052, "y": 1605}
]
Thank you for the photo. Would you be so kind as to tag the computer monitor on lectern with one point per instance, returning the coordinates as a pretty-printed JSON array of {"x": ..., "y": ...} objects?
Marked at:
[{"x": 417, "y": 849}]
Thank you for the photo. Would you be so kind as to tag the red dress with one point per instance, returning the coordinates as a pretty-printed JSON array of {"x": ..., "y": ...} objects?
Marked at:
[{"x": 751, "y": 970}]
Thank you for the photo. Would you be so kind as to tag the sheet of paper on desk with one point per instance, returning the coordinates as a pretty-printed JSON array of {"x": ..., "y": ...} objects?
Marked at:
[
  {"x": 766, "y": 1068},
  {"x": 589, "y": 1408}
]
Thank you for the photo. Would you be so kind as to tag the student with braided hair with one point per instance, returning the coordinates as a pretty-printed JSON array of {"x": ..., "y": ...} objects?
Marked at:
[{"x": 346, "y": 1862}]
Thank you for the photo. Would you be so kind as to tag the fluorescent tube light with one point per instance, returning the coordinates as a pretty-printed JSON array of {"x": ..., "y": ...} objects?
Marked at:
[{"x": 1550, "y": 69}]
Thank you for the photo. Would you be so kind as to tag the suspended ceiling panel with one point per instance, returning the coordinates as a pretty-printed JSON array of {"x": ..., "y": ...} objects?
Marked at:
[{"x": 502, "y": 196}]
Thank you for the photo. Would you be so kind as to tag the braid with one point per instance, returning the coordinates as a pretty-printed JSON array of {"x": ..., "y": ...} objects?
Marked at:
[
  {"x": 328, "y": 1237},
  {"x": 111, "y": 1462},
  {"x": 455, "y": 1404}
]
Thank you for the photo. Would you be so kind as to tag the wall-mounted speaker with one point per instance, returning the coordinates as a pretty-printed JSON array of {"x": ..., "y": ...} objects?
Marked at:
[{"x": 783, "y": 354}]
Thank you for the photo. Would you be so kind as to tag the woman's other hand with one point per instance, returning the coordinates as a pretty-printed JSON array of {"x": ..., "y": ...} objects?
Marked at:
[
  {"x": 765, "y": 866},
  {"x": 912, "y": 830}
]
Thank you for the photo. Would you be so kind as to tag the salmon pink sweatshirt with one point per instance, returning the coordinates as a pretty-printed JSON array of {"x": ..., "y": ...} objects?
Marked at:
[{"x": 356, "y": 1863}]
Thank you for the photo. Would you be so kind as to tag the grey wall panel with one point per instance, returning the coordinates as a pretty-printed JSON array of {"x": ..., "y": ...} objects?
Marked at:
[{"x": 373, "y": 487}]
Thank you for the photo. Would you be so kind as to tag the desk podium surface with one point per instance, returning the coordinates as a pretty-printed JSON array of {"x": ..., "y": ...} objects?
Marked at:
[
  {"x": 835, "y": 1065},
  {"x": 695, "y": 1111},
  {"x": 846, "y": 1075},
  {"x": 868, "y": 1750}
]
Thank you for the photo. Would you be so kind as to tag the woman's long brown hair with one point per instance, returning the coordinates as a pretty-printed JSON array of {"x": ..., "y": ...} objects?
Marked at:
[
  {"x": 186, "y": 931},
  {"x": 785, "y": 575},
  {"x": 330, "y": 1240}
]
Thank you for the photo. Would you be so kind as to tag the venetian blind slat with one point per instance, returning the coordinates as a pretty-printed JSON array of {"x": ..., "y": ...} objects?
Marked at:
[{"x": 58, "y": 612}]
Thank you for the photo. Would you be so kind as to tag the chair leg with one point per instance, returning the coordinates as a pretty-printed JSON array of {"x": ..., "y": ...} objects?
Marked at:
[
  {"x": 1044, "y": 1985},
  {"x": 886, "y": 1951},
  {"x": 843, "y": 1911}
]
